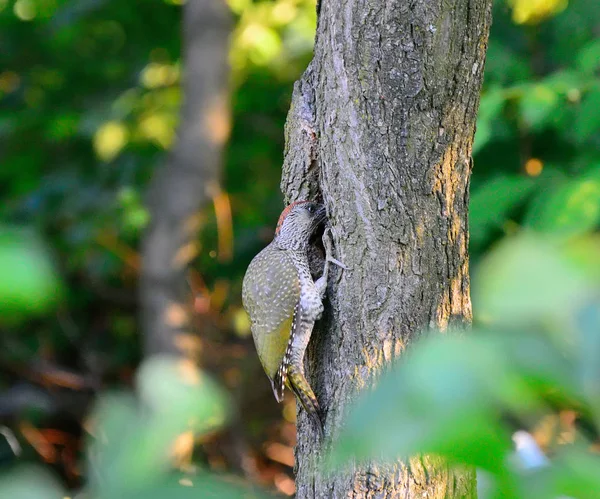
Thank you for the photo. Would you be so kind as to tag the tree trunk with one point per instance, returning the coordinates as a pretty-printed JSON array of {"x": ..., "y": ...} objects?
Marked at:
[
  {"x": 188, "y": 181},
  {"x": 381, "y": 127}
]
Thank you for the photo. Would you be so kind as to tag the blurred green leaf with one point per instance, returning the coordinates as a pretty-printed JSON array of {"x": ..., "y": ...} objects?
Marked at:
[
  {"x": 576, "y": 474},
  {"x": 573, "y": 473},
  {"x": 504, "y": 64},
  {"x": 134, "y": 443},
  {"x": 583, "y": 253},
  {"x": 588, "y": 59},
  {"x": 437, "y": 401},
  {"x": 540, "y": 361},
  {"x": 29, "y": 283},
  {"x": 483, "y": 135},
  {"x": 537, "y": 104},
  {"x": 492, "y": 103},
  {"x": 569, "y": 209},
  {"x": 526, "y": 281},
  {"x": 30, "y": 483},
  {"x": 563, "y": 80},
  {"x": 204, "y": 485},
  {"x": 589, "y": 354},
  {"x": 588, "y": 117},
  {"x": 178, "y": 391},
  {"x": 490, "y": 107},
  {"x": 118, "y": 458},
  {"x": 262, "y": 42},
  {"x": 447, "y": 395},
  {"x": 492, "y": 203}
]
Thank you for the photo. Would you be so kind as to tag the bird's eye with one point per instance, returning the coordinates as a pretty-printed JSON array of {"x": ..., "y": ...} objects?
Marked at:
[{"x": 311, "y": 209}]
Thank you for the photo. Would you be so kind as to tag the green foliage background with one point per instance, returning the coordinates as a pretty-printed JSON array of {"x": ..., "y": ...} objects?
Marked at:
[{"x": 89, "y": 102}]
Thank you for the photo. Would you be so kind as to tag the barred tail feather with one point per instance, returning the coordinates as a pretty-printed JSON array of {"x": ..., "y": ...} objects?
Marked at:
[
  {"x": 277, "y": 386},
  {"x": 299, "y": 385}
]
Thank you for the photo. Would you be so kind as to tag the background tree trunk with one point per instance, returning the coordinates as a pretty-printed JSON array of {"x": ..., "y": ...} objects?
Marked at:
[
  {"x": 187, "y": 182},
  {"x": 381, "y": 126}
]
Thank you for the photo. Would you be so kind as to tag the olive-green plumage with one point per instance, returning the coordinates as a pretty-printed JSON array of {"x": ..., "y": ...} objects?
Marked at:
[{"x": 270, "y": 293}]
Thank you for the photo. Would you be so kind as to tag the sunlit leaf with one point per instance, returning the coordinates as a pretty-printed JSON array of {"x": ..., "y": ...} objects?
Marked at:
[
  {"x": 109, "y": 139},
  {"x": 238, "y": 6},
  {"x": 535, "y": 11},
  {"x": 241, "y": 323},
  {"x": 283, "y": 12},
  {"x": 134, "y": 215},
  {"x": 159, "y": 128},
  {"x": 583, "y": 253},
  {"x": 156, "y": 75},
  {"x": 262, "y": 42},
  {"x": 25, "y": 10}
]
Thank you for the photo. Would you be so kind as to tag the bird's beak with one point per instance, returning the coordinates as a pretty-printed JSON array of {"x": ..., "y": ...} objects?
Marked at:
[{"x": 320, "y": 215}]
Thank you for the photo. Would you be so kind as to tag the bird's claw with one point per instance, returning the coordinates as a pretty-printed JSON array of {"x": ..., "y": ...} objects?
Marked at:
[
  {"x": 328, "y": 244},
  {"x": 337, "y": 262}
]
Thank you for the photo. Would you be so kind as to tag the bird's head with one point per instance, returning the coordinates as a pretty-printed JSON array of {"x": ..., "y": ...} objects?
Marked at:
[{"x": 297, "y": 222}]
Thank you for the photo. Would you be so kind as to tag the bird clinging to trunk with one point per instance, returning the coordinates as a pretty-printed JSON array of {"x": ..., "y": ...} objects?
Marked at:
[{"x": 284, "y": 302}]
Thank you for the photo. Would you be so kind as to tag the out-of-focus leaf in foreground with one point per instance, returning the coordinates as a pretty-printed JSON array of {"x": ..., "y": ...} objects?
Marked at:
[
  {"x": 526, "y": 281},
  {"x": 573, "y": 473},
  {"x": 436, "y": 401},
  {"x": 194, "y": 486},
  {"x": 460, "y": 396},
  {"x": 589, "y": 350},
  {"x": 135, "y": 440},
  {"x": 30, "y": 483}
]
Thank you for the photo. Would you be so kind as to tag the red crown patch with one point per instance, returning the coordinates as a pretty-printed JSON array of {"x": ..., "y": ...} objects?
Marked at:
[{"x": 285, "y": 213}]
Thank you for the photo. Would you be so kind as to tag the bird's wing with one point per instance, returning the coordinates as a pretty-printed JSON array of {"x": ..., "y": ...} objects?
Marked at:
[{"x": 271, "y": 291}]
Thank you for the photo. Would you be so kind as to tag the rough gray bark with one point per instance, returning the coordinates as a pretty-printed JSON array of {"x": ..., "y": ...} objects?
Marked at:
[
  {"x": 187, "y": 182},
  {"x": 381, "y": 126}
]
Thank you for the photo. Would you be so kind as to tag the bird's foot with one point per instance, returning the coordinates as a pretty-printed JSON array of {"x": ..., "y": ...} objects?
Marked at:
[{"x": 328, "y": 244}]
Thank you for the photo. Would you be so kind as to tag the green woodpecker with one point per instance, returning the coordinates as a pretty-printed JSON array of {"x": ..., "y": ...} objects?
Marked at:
[{"x": 284, "y": 302}]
